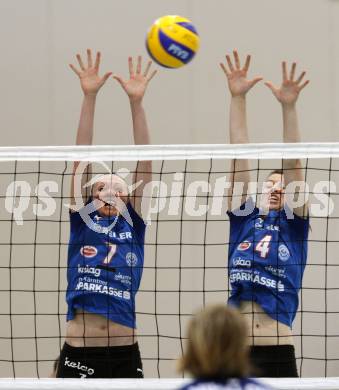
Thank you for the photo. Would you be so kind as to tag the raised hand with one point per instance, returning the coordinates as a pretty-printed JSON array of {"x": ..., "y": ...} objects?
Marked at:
[
  {"x": 90, "y": 80},
  {"x": 288, "y": 92},
  {"x": 237, "y": 75},
  {"x": 136, "y": 86}
]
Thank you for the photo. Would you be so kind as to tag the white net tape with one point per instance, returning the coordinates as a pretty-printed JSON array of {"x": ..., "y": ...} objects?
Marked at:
[
  {"x": 154, "y": 384},
  {"x": 169, "y": 152}
]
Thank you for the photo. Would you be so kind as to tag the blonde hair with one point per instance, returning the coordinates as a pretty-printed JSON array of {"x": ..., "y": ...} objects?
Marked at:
[{"x": 217, "y": 344}]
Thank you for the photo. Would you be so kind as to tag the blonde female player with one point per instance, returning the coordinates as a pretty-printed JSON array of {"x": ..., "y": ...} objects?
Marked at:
[
  {"x": 106, "y": 247},
  {"x": 217, "y": 352},
  {"x": 268, "y": 245}
]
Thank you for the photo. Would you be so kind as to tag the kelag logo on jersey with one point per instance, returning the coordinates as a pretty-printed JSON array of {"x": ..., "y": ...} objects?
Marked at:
[
  {"x": 243, "y": 246},
  {"x": 238, "y": 261},
  {"x": 88, "y": 251},
  {"x": 283, "y": 252}
]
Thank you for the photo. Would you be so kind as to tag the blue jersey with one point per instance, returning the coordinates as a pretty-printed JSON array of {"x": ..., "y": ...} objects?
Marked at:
[
  {"x": 267, "y": 258},
  {"x": 227, "y": 384},
  {"x": 105, "y": 265}
]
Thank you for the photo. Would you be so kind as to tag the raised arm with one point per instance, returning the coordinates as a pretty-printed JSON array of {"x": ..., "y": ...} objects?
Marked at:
[
  {"x": 91, "y": 83},
  {"x": 135, "y": 89},
  {"x": 287, "y": 95},
  {"x": 238, "y": 86}
]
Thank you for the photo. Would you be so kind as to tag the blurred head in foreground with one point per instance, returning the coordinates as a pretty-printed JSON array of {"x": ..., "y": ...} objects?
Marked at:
[{"x": 217, "y": 344}]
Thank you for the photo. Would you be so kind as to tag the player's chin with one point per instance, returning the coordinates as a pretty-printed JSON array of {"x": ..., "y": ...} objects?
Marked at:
[
  {"x": 108, "y": 211},
  {"x": 275, "y": 205}
]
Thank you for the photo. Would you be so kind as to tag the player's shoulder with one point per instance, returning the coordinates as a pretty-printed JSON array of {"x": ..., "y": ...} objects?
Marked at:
[
  {"x": 246, "y": 210},
  {"x": 230, "y": 384},
  {"x": 253, "y": 384},
  {"x": 133, "y": 215},
  {"x": 297, "y": 224}
]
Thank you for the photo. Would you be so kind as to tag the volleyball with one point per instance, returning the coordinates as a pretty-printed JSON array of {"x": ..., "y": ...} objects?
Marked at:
[{"x": 172, "y": 41}]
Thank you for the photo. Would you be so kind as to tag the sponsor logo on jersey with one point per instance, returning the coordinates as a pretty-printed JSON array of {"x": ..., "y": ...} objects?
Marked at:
[
  {"x": 238, "y": 261},
  {"x": 88, "y": 251},
  {"x": 89, "y": 270},
  {"x": 259, "y": 224},
  {"x": 273, "y": 228},
  {"x": 283, "y": 252},
  {"x": 96, "y": 286},
  {"x": 276, "y": 271},
  {"x": 131, "y": 259},
  {"x": 256, "y": 278},
  {"x": 243, "y": 246},
  {"x": 124, "y": 279}
]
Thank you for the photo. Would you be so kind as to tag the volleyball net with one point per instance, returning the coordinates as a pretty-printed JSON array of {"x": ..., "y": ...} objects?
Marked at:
[{"x": 186, "y": 248}]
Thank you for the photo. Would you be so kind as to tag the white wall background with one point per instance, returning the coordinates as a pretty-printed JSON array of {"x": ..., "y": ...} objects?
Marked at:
[
  {"x": 40, "y": 103},
  {"x": 41, "y": 97}
]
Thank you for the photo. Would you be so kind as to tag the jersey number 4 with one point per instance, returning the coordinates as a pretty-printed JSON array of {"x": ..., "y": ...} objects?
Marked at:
[{"x": 263, "y": 246}]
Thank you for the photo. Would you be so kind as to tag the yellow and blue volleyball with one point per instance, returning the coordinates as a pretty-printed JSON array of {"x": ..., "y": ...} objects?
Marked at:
[{"x": 172, "y": 41}]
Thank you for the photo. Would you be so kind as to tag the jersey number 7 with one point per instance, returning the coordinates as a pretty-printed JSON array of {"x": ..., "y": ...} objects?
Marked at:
[{"x": 111, "y": 249}]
